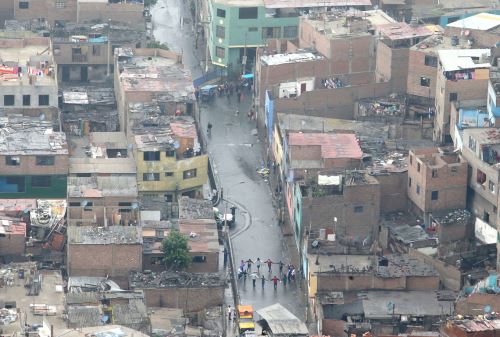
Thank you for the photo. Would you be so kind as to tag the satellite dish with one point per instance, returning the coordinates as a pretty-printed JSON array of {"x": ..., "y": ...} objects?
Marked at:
[
  {"x": 176, "y": 145},
  {"x": 487, "y": 309},
  {"x": 315, "y": 244},
  {"x": 42, "y": 117}
]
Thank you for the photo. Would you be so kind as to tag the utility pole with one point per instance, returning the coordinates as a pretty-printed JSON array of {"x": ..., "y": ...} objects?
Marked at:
[
  {"x": 244, "y": 60},
  {"x": 109, "y": 49}
]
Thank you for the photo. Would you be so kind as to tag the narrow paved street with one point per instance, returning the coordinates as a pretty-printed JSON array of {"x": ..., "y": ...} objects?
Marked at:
[{"x": 237, "y": 154}]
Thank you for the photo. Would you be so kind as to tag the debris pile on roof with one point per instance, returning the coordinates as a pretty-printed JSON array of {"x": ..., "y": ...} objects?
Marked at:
[
  {"x": 168, "y": 279},
  {"x": 391, "y": 106}
]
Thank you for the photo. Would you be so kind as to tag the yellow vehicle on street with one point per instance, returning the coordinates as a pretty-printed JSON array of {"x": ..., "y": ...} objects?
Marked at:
[{"x": 246, "y": 323}]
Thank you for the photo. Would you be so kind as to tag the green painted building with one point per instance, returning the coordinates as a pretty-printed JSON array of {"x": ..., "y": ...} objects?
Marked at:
[
  {"x": 238, "y": 27},
  {"x": 33, "y": 159}
]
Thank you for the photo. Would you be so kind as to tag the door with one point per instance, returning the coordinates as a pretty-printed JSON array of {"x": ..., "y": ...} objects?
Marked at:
[
  {"x": 302, "y": 87},
  {"x": 84, "y": 73},
  {"x": 65, "y": 73}
]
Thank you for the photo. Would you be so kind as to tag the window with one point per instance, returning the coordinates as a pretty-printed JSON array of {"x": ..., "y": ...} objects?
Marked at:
[
  {"x": 8, "y": 100},
  {"x": 127, "y": 207},
  {"x": 271, "y": 32},
  {"x": 74, "y": 204},
  {"x": 418, "y": 189},
  {"x": 248, "y": 13},
  {"x": 486, "y": 217},
  {"x": 87, "y": 205},
  {"x": 40, "y": 181},
  {"x": 24, "y": 4},
  {"x": 12, "y": 184},
  {"x": 290, "y": 31},
  {"x": 84, "y": 175},
  {"x": 169, "y": 197},
  {"x": 409, "y": 182},
  {"x": 418, "y": 167},
  {"x": 480, "y": 177},
  {"x": 358, "y": 209},
  {"x": 453, "y": 96},
  {"x": 151, "y": 177},
  {"x": 151, "y": 155},
  {"x": 12, "y": 161},
  {"x": 491, "y": 186},
  {"x": 60, "y": 4},
  {"x": 188, "y": 174},
  {"x": 199, "y": 259},
  {"x": 434, "y": 195},
  {"x": 43, "y": 100},
  {"x": 170, "y": 153},
  {"x": 253, "y": 29},
  {"x": 156, "y": 260},
  {"x": 425, "y": 82},
  {"x": 454, "y": 169},
  {"x": 472, "y": 144},
  {"x": 431, "y": 61},
  {"x": 220, "y": 32},
  {"x": 220, "y": 52},
  {"x": 26, "y": 100},
  {"x": 96, "y": 50},
  {"x": 434, "y": 173},
  {"x": 221, "y": 13},
  {"x": 45, "y": 160},
  {"x": 169, "y": 174}
]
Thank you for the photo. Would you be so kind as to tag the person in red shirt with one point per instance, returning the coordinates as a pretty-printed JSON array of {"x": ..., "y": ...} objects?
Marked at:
[
  {"x": 269, "y": 264},
  {"x": 275, "y": 281}
]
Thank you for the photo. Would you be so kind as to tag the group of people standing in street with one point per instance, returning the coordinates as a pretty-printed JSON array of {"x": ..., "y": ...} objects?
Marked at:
[{"x": 284, "y": 276}]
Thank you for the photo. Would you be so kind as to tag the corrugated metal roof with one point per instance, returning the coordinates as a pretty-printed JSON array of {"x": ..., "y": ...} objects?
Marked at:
[
  {"x": 316, "y": 3},
  {"x": 333, "y": 145},
  {"x": 281, "y": 321},
  {"x": 481, "y": 21}
]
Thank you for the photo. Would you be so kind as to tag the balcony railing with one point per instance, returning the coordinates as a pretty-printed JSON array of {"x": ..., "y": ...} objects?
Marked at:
[{"x": 79, "y": 58}]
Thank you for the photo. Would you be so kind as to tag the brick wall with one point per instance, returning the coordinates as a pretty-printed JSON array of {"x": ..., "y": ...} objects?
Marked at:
[
  {"x": 416, "y": 70},
  {"x": 103, "y": 260},
  {"x": 450, "y": 182},
  {"x": 334, "y": 282},
  {"x": 331, "y": 103},
  {"x": 12, "y": 244},
  {"x": 465, "y": 90},
  {"x": 28, "y": 166},
  {"x": 449, "y": 276},
  {"x": 46, "y": 9},
  {"x": 129, "y": 13},
  {"x": 188, "y": 299},
  {"x": 321, "y": 210},
  {"x": 393, "y": 196}
]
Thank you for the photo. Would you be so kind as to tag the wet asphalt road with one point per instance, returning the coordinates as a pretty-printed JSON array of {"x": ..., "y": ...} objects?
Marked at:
[{"x": 237, "y": 154}]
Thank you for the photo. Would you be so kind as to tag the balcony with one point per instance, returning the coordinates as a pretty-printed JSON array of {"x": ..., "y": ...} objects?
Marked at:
[{"x": 79, "y": 58}]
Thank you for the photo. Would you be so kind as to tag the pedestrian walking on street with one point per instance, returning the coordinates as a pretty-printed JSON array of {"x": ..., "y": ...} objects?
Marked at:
[
  {"x": 284, "y": 280},
  {"x": 258, "y": 263},
  {"x": 269, "y": 264},
  {"x": 281, "y": 267},
  {"x": 275, "y": 280},
  {"x": 222, "y": 193},
  {"x": 254, "y": 278},
  {"x": 263, "y": 281},
  {"x": 249, "y": 264},
  {"x": 229, "y": 312}
]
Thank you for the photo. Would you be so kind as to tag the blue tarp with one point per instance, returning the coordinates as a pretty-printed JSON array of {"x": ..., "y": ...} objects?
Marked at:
[
  {"x": 247, "y": 76},
  {"x": 205, "y": 78}
]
